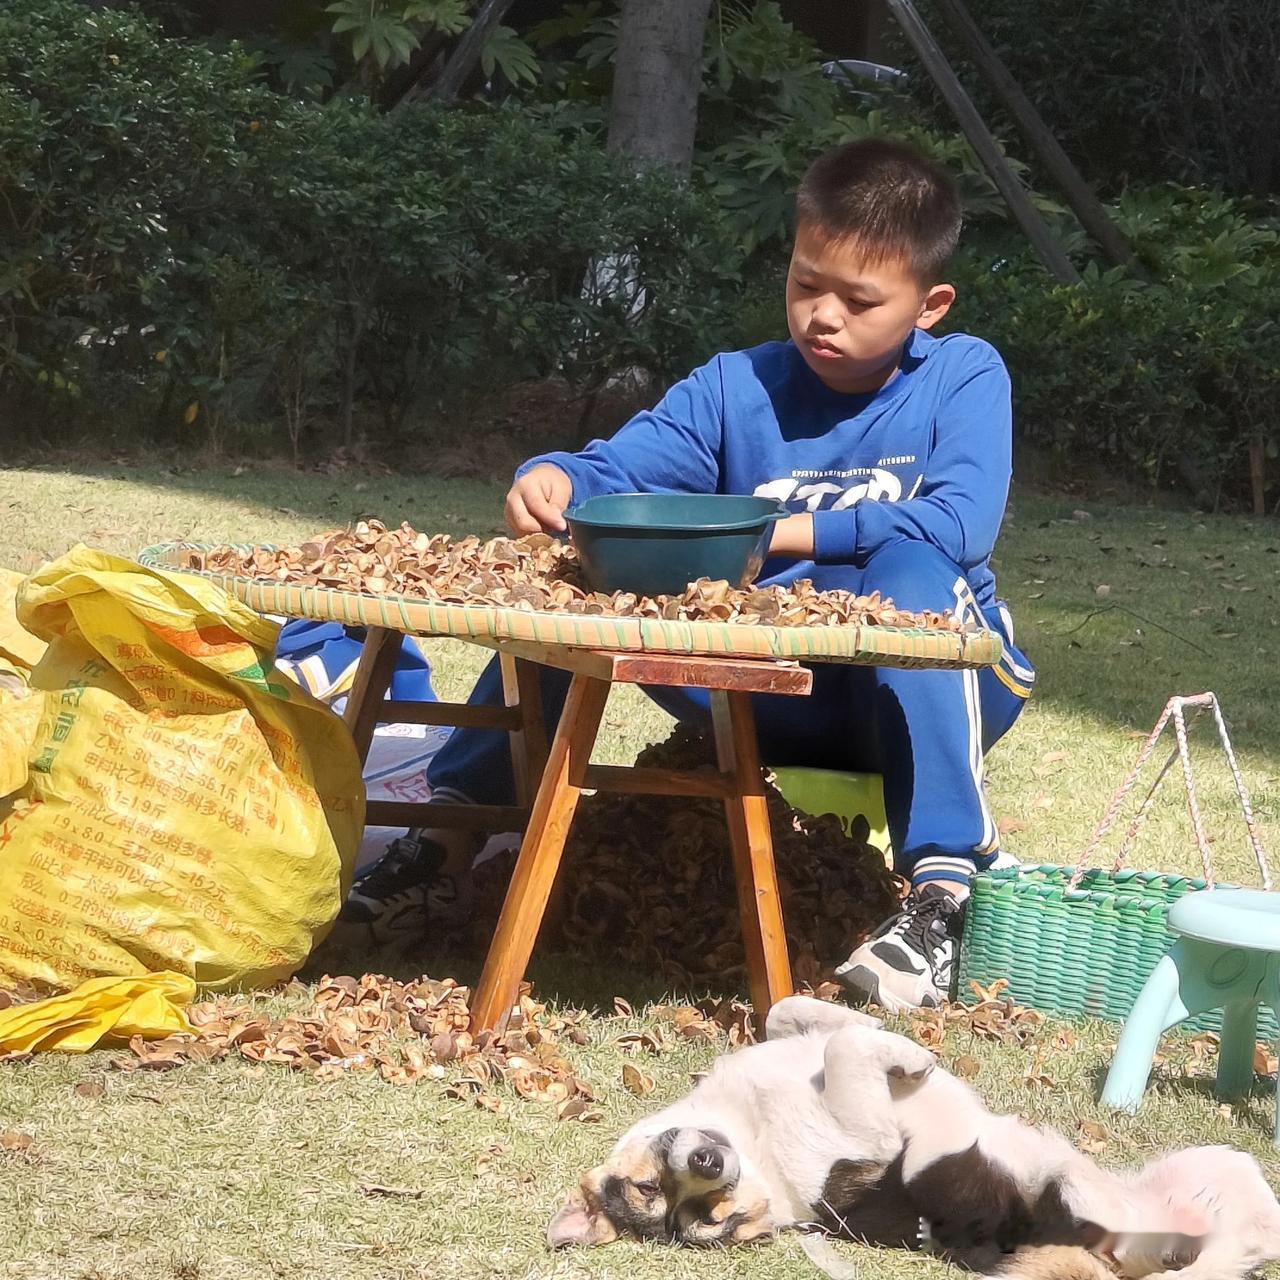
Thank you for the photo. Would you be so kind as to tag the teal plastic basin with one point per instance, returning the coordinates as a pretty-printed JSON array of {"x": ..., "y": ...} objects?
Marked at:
[{"x": 657, "y": 543}]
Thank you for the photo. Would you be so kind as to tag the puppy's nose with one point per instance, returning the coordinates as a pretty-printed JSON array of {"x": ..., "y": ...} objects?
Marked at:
[{"x": 706, "y": 1162}]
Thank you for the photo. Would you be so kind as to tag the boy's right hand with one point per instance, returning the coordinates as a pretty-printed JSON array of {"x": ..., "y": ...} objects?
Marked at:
[{"x": 536, "y": 502}]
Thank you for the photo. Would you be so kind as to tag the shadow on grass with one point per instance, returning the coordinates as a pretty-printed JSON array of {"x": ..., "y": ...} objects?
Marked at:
[
  {"x": 473, "y": 505},
  {"x": 1255, "y": 1107},
  {"x": 579, "y": 981},
  {"x": 1125, "y": 606}
]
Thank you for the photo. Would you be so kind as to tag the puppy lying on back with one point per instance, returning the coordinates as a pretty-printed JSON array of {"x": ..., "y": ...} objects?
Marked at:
[{"x": 836, "y": 1123}]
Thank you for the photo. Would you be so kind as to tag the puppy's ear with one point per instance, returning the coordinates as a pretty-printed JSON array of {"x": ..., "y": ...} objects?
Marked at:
[{"x": 577, "y": 1224}]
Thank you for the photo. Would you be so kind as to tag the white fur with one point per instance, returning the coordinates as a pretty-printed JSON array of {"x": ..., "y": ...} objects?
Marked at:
[{"x": 829, "y": 1084}]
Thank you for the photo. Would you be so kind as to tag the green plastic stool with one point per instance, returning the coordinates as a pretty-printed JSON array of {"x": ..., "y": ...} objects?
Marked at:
[
  {"x": 847, "y": 795},
  {"x": 1227, "y": 957}
]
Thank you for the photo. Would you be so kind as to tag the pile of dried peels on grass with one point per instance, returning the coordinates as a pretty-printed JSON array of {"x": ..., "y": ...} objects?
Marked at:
[
  {"x": 419, "y": 1032},
  {"x": 538, "y": 574},
  {"x": 648, "y": 881}
]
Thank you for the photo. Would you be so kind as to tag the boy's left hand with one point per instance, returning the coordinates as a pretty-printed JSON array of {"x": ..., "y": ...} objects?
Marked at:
[{"x": 793, "y": 536}]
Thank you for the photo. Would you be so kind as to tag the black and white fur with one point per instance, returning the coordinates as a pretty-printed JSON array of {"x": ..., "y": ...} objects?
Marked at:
[{"x": 835, "y": 1122}]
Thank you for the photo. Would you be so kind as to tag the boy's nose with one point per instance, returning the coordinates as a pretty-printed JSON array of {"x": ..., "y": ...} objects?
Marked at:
[{"x": 827, "y": 316}]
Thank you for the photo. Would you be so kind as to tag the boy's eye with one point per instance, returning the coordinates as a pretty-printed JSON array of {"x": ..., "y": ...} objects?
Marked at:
[
  {"x": 856, "y": 304},
  {"x": 804, "y": 284}
]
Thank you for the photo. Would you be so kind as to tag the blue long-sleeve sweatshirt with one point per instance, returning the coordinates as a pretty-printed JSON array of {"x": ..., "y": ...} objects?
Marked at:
[{"x": 926, "y": 457}]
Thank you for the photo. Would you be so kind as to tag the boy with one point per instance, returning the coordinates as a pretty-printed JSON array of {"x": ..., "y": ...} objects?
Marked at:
[{"x": 892, "y": 450}]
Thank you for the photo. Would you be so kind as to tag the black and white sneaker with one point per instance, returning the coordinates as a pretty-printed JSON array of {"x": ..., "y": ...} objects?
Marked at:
[
  {"x": 402, "y": 891},
  {"x": 908, "y": 962}
]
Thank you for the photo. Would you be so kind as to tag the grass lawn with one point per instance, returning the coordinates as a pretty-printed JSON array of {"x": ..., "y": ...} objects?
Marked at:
[{"x": 231, "y": 1170}]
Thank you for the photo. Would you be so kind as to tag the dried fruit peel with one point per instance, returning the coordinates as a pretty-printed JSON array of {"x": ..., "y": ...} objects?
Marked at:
[{"x": 535, "y": 574}]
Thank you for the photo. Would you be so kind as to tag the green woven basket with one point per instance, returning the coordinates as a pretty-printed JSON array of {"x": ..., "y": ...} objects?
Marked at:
[
  {"x": 1087, "y": 948},
  {"x": 1074, "y": 952}
]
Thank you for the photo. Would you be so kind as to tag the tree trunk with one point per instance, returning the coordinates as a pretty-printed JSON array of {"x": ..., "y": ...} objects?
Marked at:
[
  {"x": 349, "y": 379},
  {"x": 656, "y": 78},
  {"x": 1258, "y": 474}
]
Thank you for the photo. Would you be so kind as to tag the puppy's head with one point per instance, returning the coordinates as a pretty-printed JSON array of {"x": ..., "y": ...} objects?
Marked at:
[{"x": 684, "y": 1185}]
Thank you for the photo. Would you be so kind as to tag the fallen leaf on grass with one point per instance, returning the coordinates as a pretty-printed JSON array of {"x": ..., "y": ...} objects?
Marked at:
[
  {"x": 622, "y": 1008},
  {"x": 988, "y": 993},
  {"x": 539, "y": 1086},
  {"x": 1010, "y": 826},
  {"x": 577, "y": 1109},
  {"x": 156, "y": 1055},
  {"x": 1035, "y": 1074},
  {"x": 377, "y": 1189},
  {"x": 929, "y": 1030},
  {"x": 1092, "y": 1137},
  {"x": 966, "y": 1068},
  {"x": 636, "y": 1081},
  {"x": 12, "y": 1140},
  {"x": 691, "y": 1025},
  {"x": 1205, "y": 1043},
  {"x": 90, "y": 1089},
  {"x": 651, "y": 1041}
]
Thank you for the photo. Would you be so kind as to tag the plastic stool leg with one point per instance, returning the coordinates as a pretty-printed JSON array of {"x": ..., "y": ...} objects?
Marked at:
[
  {"x": 1235, "y": 1053},
  {"x": 1276, "y": 1139},
  {"x": 1275, "y": 1008},
  {"x": 1131, "y": 1067}
]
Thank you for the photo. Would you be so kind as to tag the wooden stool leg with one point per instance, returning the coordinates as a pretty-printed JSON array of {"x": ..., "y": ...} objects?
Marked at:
[
  {"x": 747, "y": 811},
  {"x": 520, "y": 688},
  {"x": 540, "y": 854},
  {"x": 377, "y": 665}
]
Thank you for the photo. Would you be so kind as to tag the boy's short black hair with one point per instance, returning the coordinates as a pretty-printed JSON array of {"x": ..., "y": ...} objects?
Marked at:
[{"x": 886, "y": 199}]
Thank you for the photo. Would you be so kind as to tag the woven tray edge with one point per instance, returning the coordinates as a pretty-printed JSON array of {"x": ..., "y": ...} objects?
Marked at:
[{"x": 883, "y": 646}]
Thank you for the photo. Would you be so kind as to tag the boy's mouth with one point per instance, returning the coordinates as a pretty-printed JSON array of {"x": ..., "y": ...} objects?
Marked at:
[{"x": 824, "y": 350}]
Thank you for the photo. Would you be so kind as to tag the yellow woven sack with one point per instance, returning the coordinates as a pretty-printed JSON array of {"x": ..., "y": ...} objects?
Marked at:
[
  {"x": 19, "y": 652},
  {"x": 19, "y": 649},
  {"x": 180, "y": 805},
  {"x": 97, "y": 1010}
]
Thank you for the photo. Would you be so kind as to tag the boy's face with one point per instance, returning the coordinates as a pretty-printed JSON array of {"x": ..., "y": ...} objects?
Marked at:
[{"x": 848, "y": 317}]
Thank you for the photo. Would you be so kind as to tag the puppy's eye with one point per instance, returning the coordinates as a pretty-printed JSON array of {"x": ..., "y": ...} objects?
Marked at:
[{"x": 649, "y": 1189}]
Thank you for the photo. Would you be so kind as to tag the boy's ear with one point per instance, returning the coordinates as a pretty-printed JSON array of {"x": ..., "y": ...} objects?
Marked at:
[{"x": 937, "y": 302}]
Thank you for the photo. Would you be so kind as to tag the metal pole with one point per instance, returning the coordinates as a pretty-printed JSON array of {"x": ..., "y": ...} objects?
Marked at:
[
  {"x": 983, "y": 142},
  {"x": 1088, "y": 208},
  {"x": 463, "y": 59}
]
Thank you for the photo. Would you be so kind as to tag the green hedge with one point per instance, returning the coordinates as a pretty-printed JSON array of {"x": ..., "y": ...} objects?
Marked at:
[
  {"x": 186, "y": 252},
  {"x": 1172, "y": 378}
]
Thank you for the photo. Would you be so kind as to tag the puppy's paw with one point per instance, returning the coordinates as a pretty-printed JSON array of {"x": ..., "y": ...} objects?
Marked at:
[
  {"x": 911, "y": 1063},
  {"x": 798, "y": 1015}
]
